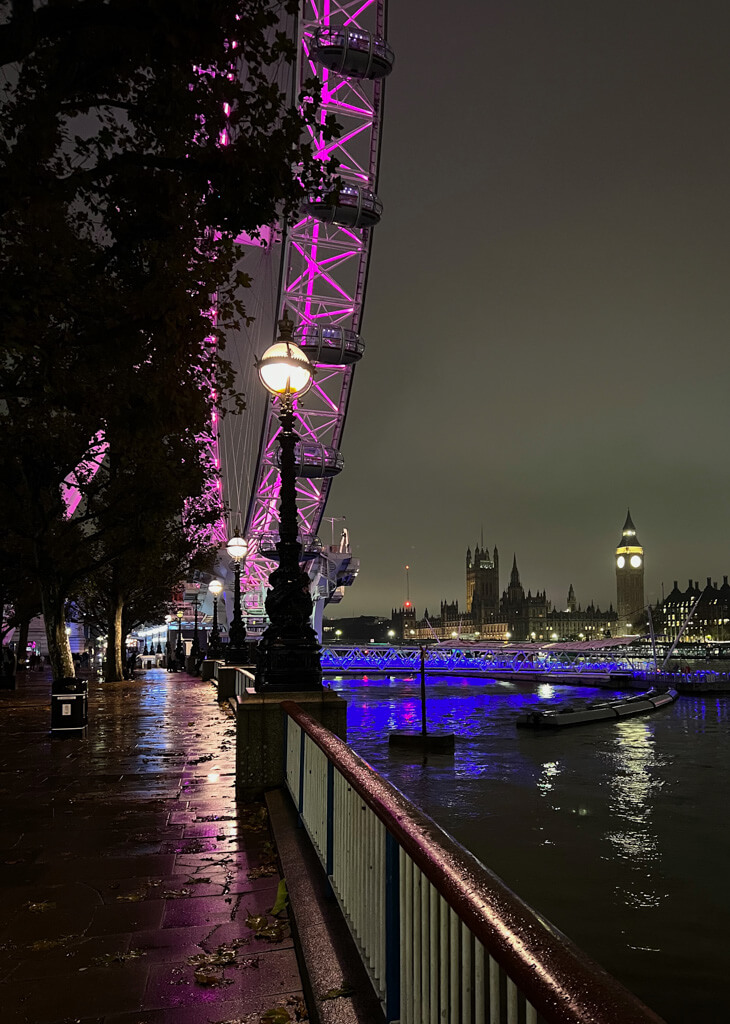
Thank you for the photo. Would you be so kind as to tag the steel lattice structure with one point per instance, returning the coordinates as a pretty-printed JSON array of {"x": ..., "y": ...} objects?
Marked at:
[
  {"x": 476, "y": 661},
  {"x": 325, "y": 265}
]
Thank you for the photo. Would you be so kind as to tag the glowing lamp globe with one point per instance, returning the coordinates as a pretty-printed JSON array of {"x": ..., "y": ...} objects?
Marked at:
[
  {"x": 284, "y": 369},
  {"x": 237, "y": 548},
  {"x": 215, "y": 587}
]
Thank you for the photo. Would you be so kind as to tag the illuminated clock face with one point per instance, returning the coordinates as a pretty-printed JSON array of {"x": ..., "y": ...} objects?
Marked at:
[
  {"x": 620, "y": 561},
  {"x": 635, "y": 561}
]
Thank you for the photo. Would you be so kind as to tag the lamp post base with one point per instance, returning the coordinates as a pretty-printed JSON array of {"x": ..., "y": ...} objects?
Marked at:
[
  {"x": 238, "y": 654},
  {"x": 288, "y": 663}
]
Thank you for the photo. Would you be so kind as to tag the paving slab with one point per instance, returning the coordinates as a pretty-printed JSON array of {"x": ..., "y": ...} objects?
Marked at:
[{"x": 129, "y": 876}]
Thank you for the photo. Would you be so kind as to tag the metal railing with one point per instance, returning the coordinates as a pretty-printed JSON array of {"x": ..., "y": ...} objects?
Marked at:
[
  {"x": 443, "y": 939},
  {"x": 446, "y": 660}
]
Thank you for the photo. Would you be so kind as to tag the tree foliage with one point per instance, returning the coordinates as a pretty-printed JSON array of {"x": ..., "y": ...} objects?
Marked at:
[{"x": 138, "y": 140}]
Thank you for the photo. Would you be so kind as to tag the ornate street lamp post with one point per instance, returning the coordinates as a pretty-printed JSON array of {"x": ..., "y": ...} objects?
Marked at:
[
  {"x": 289, "y": 649},
  {"x": 215, "y": 587},
  {"x": 237, "y": 650},
  {"x": 179, "y": 646}
]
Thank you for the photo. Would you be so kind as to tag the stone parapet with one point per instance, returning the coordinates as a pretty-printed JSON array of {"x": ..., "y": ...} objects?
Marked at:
[
  {"x": 232, "y": 679},
  {"x": 260, "y": 732}
]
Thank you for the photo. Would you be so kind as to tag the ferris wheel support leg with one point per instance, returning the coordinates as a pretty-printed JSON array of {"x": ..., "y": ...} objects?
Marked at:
[{"x": 317, "y": 617}]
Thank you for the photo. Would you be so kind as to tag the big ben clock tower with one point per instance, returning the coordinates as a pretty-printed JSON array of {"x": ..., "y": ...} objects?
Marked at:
[{"x": 629, "y": 578}]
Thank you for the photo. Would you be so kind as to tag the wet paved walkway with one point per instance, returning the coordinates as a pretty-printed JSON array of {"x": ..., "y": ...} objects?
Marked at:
[{"x": 132, "y": 889}]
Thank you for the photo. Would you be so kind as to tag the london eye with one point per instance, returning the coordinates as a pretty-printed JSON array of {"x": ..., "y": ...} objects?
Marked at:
[{"x": 315, "y": 270}]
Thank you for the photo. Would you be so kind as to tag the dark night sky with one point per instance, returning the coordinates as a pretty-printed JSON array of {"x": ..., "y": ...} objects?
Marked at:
[{"x": 548, "y": 305}]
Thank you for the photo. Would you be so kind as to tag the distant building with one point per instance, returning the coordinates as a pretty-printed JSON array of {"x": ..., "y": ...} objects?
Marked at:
[
  {"x": 357, "y": 629},
  {"x": 403, "y": 622},
  {"x": 511, "y": 615},
  {"x": 711, "y": 617},
  {"x": 482, "y": 583}
]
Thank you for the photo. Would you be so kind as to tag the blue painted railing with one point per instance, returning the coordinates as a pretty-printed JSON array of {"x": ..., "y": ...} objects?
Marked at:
[
  {"x": 443, "y": 939},
  {"x": 466, "y": 660}
]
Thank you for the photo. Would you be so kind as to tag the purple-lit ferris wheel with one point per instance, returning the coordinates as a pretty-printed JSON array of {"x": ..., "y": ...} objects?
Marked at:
[{"x": 320, "y": 280}]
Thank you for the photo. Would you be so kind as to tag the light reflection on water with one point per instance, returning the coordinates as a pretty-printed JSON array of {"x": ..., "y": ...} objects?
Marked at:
[{"x": 617, "y": 832}]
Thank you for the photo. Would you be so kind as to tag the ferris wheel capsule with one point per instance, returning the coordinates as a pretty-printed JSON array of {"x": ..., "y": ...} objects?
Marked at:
[
  {"x": 329, "y": 346},
  {"x": 311, "y": 545},
  {"x": 352, "y": 206},
  {"x": 351, "y": 52},
  {"x": 314, "y": 461}
]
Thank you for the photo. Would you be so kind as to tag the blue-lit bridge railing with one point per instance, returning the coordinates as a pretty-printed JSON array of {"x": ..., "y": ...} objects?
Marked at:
[
  {"x": 556, "y": 659},
  {"x": 444, "y": 940}
]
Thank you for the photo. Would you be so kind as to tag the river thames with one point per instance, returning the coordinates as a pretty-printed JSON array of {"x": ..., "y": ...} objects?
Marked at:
[{"x": 618, "y": 833}]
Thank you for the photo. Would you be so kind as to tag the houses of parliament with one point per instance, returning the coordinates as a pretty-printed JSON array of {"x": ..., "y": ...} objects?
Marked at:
[{"x": 514, "y": 614}]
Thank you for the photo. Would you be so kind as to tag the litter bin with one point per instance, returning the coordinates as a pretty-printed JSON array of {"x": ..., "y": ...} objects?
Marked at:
[{"x": 69, "y": 707}]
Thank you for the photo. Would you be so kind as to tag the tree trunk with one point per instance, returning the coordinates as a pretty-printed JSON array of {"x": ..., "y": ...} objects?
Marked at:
[
  {"x": 22, "y": 645},
  {"x": 114, "y": 648},
  {"x": 59, "y": 649}
]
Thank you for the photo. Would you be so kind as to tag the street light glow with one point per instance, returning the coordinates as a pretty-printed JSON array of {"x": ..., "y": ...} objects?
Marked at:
[
  {"x": 284, "y": 369},
  {"x": 236, "y": 548}
]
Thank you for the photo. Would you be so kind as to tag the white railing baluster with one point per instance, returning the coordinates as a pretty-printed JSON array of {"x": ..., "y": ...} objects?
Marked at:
[
  {"x": 443, "y": 961},
  {"x": 454, "y": 968},
  {"x": 466, "y": 980},
  {"x": 495, "y": 1003},
  {"x": 425, "y": 949},
  {"x": 407, "y": 933},
  {"x": 434, "y": 947},
  {"x": 380, "y": 895},
  {"x": 417, "y": 949},
  {"x": 480, "y": 988},
  {"x": 512, "y": 1011},
  {"x": 530, "y": 1014}
]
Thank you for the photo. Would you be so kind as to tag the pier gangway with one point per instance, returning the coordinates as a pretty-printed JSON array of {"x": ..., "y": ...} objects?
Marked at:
[{"x": 511, "y": 659}]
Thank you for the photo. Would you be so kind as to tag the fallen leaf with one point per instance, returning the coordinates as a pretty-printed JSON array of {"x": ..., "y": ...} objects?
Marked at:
[
  {"x": 117, "y": 959},
  {"x": 299, "y": 1006},
  {"x": 40, "y": 908},
  {"x": 205, "y": 976},
  {"x": 336, "y": 993},
  {"x": 265, "y": 871},
  {"x": 276, "y": 1015},
  {"x": 272, "y": 933},
  {"x": 43, "y": 944},
  {"x": 282, "y": 898},
  {"x": 256, "y": 921}
]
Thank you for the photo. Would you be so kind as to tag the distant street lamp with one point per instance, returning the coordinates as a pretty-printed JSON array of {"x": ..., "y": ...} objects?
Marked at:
[
  {"x": 195, "y": 649},
  {"x": 215, "y": 587},
  {"x": 236, "y": 651},
  {"x": 168, "y": 641},
  {"x": 179, "y": 646},
  {"x": 289, "y": 650}
]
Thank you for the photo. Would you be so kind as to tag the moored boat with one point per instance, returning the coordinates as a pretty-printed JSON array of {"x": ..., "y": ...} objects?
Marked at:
[{"x": 624, "y": 707}]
